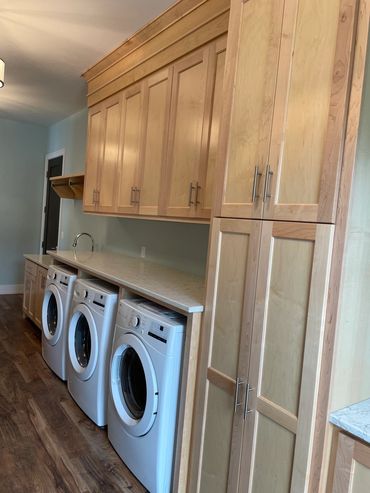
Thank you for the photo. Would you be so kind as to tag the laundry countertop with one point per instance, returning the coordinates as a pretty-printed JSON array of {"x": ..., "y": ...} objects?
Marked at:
[
  {"x": 42, "y": 260},
  {"x": 163, "y": 284},
  {"x": 354, "y": 419}
]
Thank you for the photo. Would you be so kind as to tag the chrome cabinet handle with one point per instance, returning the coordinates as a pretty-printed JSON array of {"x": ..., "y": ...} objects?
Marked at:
[
  {"x": 246, "y": 401},
  {"x": 93, "y": 196},
  {"x": 132, "y": 200},
  {"x": 192, "y": 188},
  {"x": 237, "y": 403},
  {"x": 97, "y": 196},
  {"x": 268, "y": 178},
  {"x": 256, "y": 184},
  {"x": 197, "y": 187},
  {"x": 137, "y": 201}
]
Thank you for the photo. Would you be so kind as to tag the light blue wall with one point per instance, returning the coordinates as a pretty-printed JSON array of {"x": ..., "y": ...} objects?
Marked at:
[
  {"x": 180, "y": 245},
  {"x": 22, "y": 160}
]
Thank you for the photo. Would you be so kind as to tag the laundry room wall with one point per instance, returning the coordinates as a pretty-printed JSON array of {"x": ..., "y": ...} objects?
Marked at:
[
  {"x": 22, "y": 161},
  {"x": 179, "y": 245}
]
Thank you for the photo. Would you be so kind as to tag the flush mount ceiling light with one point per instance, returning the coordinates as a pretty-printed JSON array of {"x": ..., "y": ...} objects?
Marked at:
[{"x": 2, "y": 72}]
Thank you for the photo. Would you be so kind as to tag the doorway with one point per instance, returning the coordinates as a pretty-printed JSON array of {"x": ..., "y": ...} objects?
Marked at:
[{"x": 51, "y": 211}]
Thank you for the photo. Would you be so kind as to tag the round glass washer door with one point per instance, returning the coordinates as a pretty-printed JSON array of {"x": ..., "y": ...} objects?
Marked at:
[
  {"x": 134, "y": 386},
  {"x": 83, "y": 342},
  {"x": 52, "y": 314}
]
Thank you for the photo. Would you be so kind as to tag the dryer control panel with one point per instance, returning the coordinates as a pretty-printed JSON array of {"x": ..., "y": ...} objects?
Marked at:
[{"x": 161, "y": 327}]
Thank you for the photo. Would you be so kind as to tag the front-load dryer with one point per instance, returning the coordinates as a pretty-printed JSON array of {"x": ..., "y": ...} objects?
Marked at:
[
  {"x": 55, "y": 312},
  {"x": 90, "y": 336},
  {"x": 144, "y": 389}
]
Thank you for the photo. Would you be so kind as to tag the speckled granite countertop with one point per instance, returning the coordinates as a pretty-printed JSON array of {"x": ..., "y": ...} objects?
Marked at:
[
  {"x": 177, "y": 289},
  {"x": 42, "y": 260},
  {"x": 354, "y": 419}
]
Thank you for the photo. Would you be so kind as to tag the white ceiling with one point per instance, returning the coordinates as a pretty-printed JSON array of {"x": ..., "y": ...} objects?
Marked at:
[{"x": 47, "y": 44}]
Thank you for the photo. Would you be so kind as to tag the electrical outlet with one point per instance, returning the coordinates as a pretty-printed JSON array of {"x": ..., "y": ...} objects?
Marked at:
[{"x": 143, "y": 252}]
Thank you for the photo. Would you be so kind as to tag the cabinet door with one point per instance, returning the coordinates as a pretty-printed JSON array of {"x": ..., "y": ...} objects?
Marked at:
[
  {"x": 289, "y": 318},
  {"x": 39, "y": 293},
  {"x": 310, "y": 109},
  {"x": 109, "y": 154},
  {"x": 131, "y": 149},
  {"x": 94, "y": 155},
  {"x": 157, "y": 97},
  {"x": 188, "y": 106},
  {"x": 252, "y": 61},
  {"x": 352, "y": 466},
  {"x": 205, "y": 184},
  {"x": 218, "y": 429}
]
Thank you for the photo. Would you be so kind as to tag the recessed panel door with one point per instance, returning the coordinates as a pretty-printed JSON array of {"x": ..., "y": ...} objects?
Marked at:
[
  {"x": 131, "y": 149},
  {"x": 294, "y": 267},
  {"x": 107, "y": 187},
  {"x": 302, "y": 179},
  {"x": 93, "y": 156},
  {"x": 227, "y": 329},
  {"x": 157, "y": 97},
  {"x": 206, "y": 178},
  {"x": 252, "y": 61},
  {"x": 188, "y": 105}
]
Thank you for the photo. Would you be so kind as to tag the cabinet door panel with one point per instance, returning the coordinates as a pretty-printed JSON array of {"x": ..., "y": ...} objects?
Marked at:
[
  {"x": 156, "y": 116},
  {"x": 274, "y": 457},
  {"x": 94, "y": 156},
  {"x": 227, "y": 327},
  {"x": 309, "y": 111},
  {"x": 288, "y": 329},
  {"x": 249, "y": 91},
  {"x": 217, "y": 440},
  {"x": 108, "y": 166},
  {"x": 186, "y": 125},
  {"x": 131, "y": 142}
]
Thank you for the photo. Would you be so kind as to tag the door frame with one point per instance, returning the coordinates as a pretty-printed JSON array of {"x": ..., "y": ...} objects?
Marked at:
[{"x": 48, "y": 157}]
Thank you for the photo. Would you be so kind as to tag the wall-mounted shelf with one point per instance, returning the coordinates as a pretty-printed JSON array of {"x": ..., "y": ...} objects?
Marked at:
[{"x": 68, "y": 186}]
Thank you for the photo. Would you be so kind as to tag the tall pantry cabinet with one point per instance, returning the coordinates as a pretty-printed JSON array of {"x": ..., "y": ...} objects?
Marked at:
[{"x": 278, "y": 173}]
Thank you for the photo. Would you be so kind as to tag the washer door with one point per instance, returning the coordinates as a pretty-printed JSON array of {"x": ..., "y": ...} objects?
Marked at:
[
  {"x": 52, "y": 314},
  {"x": 82, "y": 342},
  {"x": 134, "y": 386}
]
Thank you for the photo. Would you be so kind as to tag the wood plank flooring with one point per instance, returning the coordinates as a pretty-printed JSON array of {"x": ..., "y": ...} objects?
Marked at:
[{"x": 47, "y": 444}]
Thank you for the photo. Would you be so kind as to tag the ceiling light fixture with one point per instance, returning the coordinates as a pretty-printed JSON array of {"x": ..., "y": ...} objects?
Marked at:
[{"x": 2, "y": 72}]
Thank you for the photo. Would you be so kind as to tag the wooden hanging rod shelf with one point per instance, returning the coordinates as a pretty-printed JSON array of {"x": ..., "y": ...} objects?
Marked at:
[{"x": 68, "y": 186}]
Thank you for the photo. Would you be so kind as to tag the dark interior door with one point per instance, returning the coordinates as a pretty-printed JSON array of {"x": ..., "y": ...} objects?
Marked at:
[{"x": 52, "y": 207}]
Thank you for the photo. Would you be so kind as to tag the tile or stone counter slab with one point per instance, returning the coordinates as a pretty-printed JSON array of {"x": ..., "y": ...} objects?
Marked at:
[
  {"x": 354, "y": 419},
  {"x": 173, "y": 287},
  {"x": 42, "y": 260}
]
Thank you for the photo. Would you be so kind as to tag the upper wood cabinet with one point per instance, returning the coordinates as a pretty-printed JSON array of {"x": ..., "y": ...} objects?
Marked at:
[
  {"x": 102, "y": 156},
  {"x": 152, "y": 148},
  {"x": 261, "y": 356},
  {"x": 286, "y": 89}
]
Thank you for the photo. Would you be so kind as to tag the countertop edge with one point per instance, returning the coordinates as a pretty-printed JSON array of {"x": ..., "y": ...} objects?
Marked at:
[
  {"x": 129, "y": 285},
  {"x": 354, "y": 419}
]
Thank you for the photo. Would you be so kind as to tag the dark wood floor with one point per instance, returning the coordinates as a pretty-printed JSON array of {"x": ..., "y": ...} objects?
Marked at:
[{"x": 47, "y": 444}]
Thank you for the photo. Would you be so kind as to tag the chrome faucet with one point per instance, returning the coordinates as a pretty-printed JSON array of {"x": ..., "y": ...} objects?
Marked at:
[{"x": 78, "y": 236}]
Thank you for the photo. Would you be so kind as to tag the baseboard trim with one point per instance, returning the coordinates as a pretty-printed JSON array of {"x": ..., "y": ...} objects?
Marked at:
[{"x": 11, "y": 288}]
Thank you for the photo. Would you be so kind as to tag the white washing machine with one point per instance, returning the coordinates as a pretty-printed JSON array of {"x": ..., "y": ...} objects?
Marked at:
[
  {"x": 90, "y": 336},
  {"x": 144, "y": 389},
  {"x": 55, "y": 312}
]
